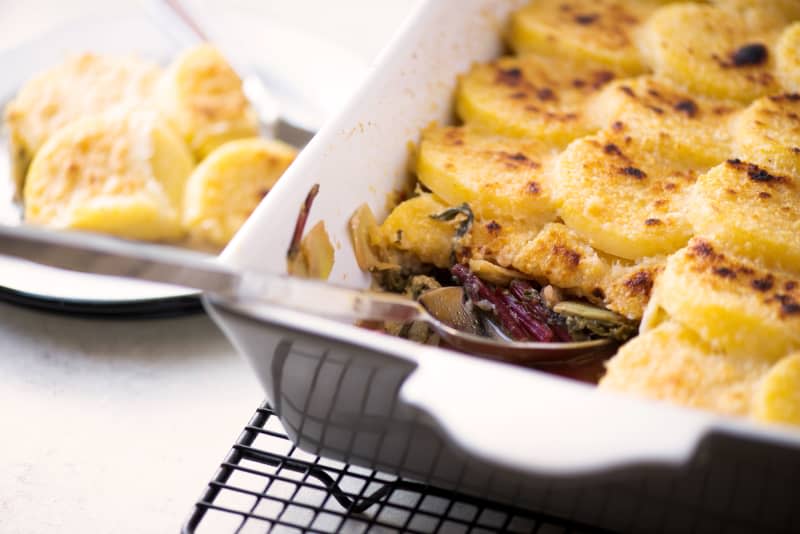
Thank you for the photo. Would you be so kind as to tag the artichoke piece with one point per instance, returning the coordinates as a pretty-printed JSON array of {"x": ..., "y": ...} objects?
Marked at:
[
  {"x": 491, "y": 272},
  {"x": 362, "y": 226},
  {"x": 584, "y": 320},
  {"x": 317, "y": 251}
]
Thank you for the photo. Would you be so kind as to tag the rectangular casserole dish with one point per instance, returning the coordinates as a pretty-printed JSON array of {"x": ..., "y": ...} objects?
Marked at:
[{"x": 486, "y": 428}]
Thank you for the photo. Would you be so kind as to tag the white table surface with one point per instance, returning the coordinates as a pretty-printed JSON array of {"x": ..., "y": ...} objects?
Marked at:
[{"x": 116, "y": 426}]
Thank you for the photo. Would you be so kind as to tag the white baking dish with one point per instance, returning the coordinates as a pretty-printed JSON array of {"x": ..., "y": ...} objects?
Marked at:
[{"x": 484, "y": 427}]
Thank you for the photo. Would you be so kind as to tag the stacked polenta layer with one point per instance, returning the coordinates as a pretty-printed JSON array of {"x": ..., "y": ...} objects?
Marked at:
[
  {"x": 112, "y": 144},
  {"x": 644, "y": 155}
]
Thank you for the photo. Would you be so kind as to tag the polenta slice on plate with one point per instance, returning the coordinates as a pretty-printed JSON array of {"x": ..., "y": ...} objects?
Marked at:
[
  {"x": 624, "y": 197},
  {"x": 718, "y": 54},
  {"x": 227, "y": 186},
  {"x": 667, "y": 117},
  {"x": 202, "y": 97},
  {"x": 82, "y": 85},
  {"x": 531, "y": 96},
  {"x": 767, "y": 133},
  {"x": 600, "y": 31},
  {"x": 734, "y": 304},
  {"x": 749, "y": 211},
  {"x": 672, "y": 363},
  {"x": 120, "y": 173},
  {"x": 499, "y": 177}
]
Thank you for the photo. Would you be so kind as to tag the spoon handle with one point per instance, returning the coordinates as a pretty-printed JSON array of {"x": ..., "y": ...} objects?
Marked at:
[
  {"x": 273, "y": 123},
  {"x": 179, "y": 10},
  {"x": 325, "y": 299},
  {"x": 95, "y": 254}
]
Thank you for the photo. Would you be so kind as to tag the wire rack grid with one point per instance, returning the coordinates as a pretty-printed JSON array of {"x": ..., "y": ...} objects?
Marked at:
[{"x": 266, "y": 484}]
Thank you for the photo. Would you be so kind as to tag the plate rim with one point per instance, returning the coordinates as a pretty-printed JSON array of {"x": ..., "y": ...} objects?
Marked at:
[{"x": 149, "y": 308}]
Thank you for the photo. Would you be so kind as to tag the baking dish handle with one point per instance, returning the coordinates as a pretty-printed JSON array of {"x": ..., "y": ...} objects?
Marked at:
[{"x": 531, "y": 421}]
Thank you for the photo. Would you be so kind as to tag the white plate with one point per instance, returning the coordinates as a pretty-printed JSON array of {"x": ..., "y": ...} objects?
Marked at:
[{"x": 309, "y": 77}]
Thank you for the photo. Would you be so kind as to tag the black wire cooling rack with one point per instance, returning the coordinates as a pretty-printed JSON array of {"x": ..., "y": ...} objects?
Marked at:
[{"x": 266, "y": 484}]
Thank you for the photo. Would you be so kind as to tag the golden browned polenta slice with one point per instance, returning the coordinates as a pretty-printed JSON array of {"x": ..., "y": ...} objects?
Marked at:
[
  {"x": 590, "y": 30},
  {"x": 121, "y": 173},
  {"x": 662, "y": 114},
  {"x": 623, "y": 196},
  {"x": 767, "y": 133},
  {"x": 777, "y": 398},
  {"x": 410, "y": 227},
  {"x": 732, "y": 303},
  {"x": 499, "y": 240},
  {"x": 717, "y": 54},
  {"x": 499, "y": 177},
  {"x": 82, "y": 85},
  {"x": 202, "y": 97},
  {"x": 627, "y": 287},
  {"x": 561, "y": 257},
  {"x": 531, "y": 96},
  {"x": 227, "y": 186},
  {"x": 764, "y": 14},
  {"x": 672, "y": 363},
  {"x": 749, "y": 211},
  {"x": 787, "y": 58}
]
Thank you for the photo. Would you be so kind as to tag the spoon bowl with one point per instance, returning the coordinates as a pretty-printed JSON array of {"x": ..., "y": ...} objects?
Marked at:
[{"x": 445, "y": 311}]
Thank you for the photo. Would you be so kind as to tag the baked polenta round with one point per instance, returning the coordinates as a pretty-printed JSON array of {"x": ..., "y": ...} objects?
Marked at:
[
  {"x": 624, "y": 197},
  {"x": 672, "y": 363},
  {"x": 750, "y": 211},
  {"x": 82, "y": 85},
  {"x": 667, "y": 117},
  {"x": 499, "y": 177},
  {"x": 410, "y": 227},
  {"x": 788, "y": 58},
  {"x": 762, "y": 14},
  {"x": 202, "y": 97},
  {"x": 120, "y": 173},
  {"x": 559, "y": 256},
  {"x": 628, "y": 286},
  {"x": 767, "y": 133},
  {"x": 718, "y": 53},
  {"x": 531, "y": 96},
  {"x": 228, "y": 185},
  {"x": 601, "y": 31},
  {"x": 735, "y": 305}
]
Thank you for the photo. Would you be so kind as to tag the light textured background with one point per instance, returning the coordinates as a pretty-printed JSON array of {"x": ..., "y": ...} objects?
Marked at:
[{"x": 116, "y": 426}]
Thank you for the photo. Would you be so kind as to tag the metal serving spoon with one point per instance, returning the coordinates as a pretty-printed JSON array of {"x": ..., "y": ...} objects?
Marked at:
[{"x": 442, "y": 309}]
